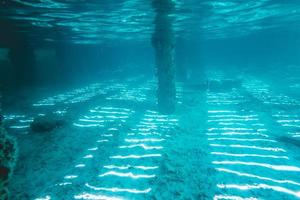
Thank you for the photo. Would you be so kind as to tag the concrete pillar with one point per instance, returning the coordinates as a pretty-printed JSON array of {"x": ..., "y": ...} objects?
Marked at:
[
  {"x": 182, "y": 58},
  {"x": 163, "y": 42}
]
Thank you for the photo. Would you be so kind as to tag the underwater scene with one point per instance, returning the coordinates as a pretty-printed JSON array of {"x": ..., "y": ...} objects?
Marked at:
[{"x": 149, "y": 99}]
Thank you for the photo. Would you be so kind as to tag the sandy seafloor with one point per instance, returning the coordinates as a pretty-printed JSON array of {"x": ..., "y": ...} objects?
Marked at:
[{"x": 236, "y": 140}]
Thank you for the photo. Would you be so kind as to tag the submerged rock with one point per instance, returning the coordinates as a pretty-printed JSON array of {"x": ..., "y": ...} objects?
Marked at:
[
  {"x": 8, "y": 157},
  {"x": 290, "y": 140},
  {"x": 46, "y": 123}
]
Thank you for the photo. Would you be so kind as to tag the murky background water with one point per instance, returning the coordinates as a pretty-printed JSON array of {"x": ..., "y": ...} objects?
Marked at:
[{"x": 159, "y": 99}]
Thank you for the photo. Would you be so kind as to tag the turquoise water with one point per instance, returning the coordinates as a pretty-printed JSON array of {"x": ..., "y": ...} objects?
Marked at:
[
  {"x": 80, "y": 95},
  {"x": 218, "y": 145},
  {"x": 95, "y": 22}
]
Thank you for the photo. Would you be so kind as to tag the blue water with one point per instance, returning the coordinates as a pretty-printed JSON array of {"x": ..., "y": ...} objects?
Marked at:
[
  {"x": 235, "y": 150},
  {"x": 90, "y": 67}
]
